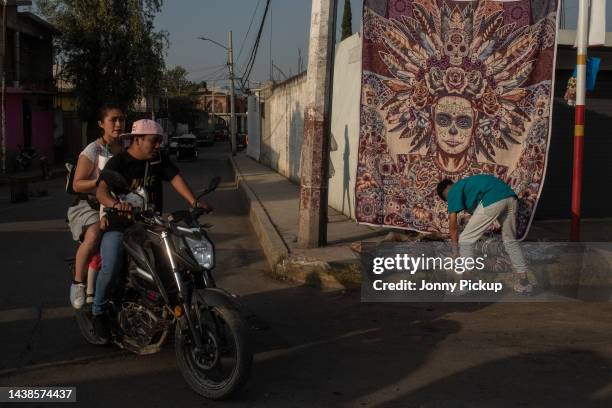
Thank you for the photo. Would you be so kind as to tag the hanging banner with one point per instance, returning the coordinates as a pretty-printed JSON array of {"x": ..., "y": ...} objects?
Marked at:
[
  {"x": 451, "y": 89},
  {"x": 597, "y": 27},
  {"x": 592, "y": 69}
]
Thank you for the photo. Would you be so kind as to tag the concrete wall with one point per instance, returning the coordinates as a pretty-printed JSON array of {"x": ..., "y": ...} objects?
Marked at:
[
  {"x": 283, "y": 126},
  {"x": 281, "y": 121},
  {"x": 345, "y": 125},
  {"x": 254, "y": 126}
]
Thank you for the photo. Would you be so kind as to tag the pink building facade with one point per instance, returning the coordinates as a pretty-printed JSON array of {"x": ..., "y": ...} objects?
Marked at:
[{"x": 29, "y": 87}]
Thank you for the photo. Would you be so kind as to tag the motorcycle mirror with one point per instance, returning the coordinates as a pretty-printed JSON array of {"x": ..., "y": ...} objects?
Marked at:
[
  {"x": 214, "y": 183},
  {"x": 115, "y": 180}
]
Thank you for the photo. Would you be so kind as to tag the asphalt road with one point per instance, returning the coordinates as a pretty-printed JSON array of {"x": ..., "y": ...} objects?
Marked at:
[{"x": 314, "y": 348}]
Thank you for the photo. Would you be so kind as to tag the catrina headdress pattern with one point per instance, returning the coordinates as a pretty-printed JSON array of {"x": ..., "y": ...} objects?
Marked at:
[{"x": 446, "y": 50}]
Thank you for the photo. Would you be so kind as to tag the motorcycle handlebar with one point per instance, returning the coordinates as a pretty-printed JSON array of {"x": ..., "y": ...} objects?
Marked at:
[{"x": 177, "y": 216}]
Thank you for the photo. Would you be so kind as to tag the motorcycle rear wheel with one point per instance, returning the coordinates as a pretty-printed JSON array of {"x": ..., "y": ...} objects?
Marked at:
[{"x": 204, "y": 373}]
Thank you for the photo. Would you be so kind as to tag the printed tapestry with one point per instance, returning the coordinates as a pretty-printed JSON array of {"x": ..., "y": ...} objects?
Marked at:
[{"x": 452, "y": 89}]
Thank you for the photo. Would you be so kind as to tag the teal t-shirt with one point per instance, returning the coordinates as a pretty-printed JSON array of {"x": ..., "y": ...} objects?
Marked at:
[{"x": 467, "y": 193}]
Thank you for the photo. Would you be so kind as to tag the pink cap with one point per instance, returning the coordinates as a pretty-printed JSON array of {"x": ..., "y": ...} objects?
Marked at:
[{"x": 145, "y": 127}]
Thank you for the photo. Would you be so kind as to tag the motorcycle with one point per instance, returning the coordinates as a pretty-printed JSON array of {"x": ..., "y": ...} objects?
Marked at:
[{"x": 169, "y": 287}]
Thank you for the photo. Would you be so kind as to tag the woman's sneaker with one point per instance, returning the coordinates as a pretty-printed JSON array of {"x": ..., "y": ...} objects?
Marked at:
[
  {"x": 77, "y": 295},
  {"x": 523, "y": 287}
]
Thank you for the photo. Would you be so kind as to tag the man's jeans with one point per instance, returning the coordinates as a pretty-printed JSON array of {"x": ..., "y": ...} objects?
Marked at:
[
  {"x": 111, "y": 250},
  {"x": 505, "y": 211}
]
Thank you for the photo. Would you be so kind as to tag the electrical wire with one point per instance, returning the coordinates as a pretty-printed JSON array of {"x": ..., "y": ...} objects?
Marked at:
[
  {"x": 207, "y": 68},
  {"x": 271, "y": 62},
  {"x": 209, "y": 76},
  {"x": 251, "y": 61},
  {"x": 248, "y": 30}
]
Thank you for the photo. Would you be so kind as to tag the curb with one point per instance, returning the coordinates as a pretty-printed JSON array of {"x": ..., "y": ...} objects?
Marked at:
[
  {"x": 271, "y": 241},
  {"x": 283, "y": 263}
]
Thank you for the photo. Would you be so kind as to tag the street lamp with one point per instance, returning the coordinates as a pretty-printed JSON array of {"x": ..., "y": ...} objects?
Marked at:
[
  {"x": 214, "y": 42},
  {"x": 230, "y": 64}
]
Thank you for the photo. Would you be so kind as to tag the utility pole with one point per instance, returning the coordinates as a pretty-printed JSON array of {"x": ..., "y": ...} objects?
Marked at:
[
  {"x": 582, "y": 34},
  {"x": 214, "y": 119},
  {"x": 230, "y": 62},
  {"x": 312, "y": 228}
]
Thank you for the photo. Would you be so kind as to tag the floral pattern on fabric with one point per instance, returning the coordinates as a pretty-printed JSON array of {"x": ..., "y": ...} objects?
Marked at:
[{"x": 452, "y": 89}]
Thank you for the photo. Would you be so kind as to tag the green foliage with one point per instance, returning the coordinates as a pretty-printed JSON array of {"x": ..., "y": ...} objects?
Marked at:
[
  {"x": 347, "y": 21},
  {"x": 182, "y": 109},
  {"x": 108, "y": 49},
  {"x": 181, "y": 96},
  {"x": 175, "y": 82}
]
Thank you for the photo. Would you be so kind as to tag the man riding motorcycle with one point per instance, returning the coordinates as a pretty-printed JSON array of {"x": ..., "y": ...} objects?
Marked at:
[{"x": 144, "y": 167}]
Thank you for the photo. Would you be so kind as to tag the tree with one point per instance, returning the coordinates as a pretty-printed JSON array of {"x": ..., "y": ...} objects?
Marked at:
[
  {"x": 347, "y": 21},
  {"x": 181, "y": 96},
  {"x": 175, "y": 82},
  {"x": 108, "y": 50}
]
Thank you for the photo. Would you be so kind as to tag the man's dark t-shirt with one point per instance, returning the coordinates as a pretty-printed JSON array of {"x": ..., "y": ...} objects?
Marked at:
[{"x": 133, "y": 170}]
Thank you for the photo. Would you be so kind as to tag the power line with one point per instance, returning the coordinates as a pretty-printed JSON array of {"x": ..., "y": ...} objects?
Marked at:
[
  {"x": 208, "y": 68},
  {"x": 210, "y": 76},
  {"x": 249, "y": 30},
  {"x": 271, "y": 62},
  {"x": 252, "y": 57}
]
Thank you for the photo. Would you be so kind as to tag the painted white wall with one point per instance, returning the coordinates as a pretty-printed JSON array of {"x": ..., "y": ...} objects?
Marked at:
[
  {"x": 285, "y": 129},
  {"x": 345, "y": 125},
  {"x": 253, "y": 127},
  {"x": 282, "y": 133}
]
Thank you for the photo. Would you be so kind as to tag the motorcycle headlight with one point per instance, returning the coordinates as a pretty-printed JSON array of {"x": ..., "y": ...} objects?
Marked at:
[{"x": 202, "y": 251}]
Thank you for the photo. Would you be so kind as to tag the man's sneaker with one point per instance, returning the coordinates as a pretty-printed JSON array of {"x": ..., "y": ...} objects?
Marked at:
[
  {"x": 101, "y": 326},
  {"x": 523, "y": 287},
  {"x": 77, "y": 295}
]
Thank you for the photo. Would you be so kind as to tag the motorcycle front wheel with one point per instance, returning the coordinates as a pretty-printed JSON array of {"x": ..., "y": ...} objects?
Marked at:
[{"x": 223, "y": 367}]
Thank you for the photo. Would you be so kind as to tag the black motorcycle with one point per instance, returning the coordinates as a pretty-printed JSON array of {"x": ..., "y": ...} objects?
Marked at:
[{"x": 169, "y": 287}]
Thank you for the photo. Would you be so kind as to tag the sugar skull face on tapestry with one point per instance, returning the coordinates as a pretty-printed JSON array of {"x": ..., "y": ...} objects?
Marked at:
[
  {"x": 451, "y": 89},
  {"x": 453, "y": 124}
]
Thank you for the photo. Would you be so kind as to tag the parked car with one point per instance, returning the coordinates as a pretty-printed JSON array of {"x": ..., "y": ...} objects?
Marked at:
[{"x": 187, "y": 148}]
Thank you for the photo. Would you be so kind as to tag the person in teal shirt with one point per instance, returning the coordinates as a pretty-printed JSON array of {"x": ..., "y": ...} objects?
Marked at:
[{"x": 488, "y": 199}]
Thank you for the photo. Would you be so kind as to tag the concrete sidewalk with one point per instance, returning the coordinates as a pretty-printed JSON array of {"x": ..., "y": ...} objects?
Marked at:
[{"x": 274, "y": 205}]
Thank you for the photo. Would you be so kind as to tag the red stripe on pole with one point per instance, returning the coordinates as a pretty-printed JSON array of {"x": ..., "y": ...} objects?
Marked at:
[
  {"x": 577, "y": 172},
  {"x": 580, "y": 114}
]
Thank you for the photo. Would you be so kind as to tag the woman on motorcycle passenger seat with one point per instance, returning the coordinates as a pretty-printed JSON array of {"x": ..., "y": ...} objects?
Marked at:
[{"x": 84, "y": 218}]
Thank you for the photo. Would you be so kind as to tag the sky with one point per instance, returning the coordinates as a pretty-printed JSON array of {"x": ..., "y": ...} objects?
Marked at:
[{"x": 185, "y": 20}]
